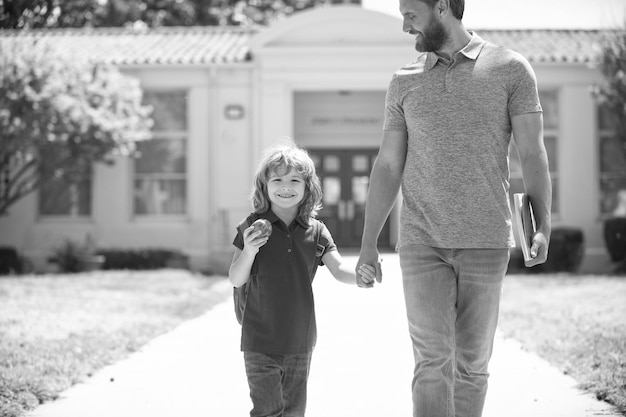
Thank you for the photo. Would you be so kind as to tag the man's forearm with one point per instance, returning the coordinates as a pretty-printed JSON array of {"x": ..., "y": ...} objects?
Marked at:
[
  {"x": 539, "y": 189},
  {"x": 381, "y": 196}
]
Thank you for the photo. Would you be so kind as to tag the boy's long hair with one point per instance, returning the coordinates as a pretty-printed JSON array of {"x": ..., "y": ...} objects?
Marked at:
[{"x": 281, "y": 160}]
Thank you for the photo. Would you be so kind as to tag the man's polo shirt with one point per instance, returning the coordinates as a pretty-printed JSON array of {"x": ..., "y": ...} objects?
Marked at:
[
  {"x": 457, "y": 116},
  {"x": 280, "y": 310}
]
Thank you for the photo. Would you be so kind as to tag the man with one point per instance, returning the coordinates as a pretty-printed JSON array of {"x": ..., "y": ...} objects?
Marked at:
[{"x": 448, "y": 123}]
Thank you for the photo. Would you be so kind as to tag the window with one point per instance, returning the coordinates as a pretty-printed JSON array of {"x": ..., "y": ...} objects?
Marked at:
[
  {"x": 160, "y": 182},
  {"x": 65, "y": 190},
  {"x": 60, "y": 198},
  {"x": 612, "y": 162},
  {"x": 549, "y": 103}
]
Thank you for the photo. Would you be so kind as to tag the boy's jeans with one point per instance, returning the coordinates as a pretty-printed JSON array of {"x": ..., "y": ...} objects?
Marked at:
[
  {"x": 278, "y": 383},
  {"x": 452, "y": 299}
]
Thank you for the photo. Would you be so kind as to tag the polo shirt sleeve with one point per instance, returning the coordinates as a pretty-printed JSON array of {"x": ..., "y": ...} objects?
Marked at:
[
  {"x": 394, "y": 113},
  {"x": 326, "y": 242},
  {"x": 523, "y": 92},
  {"x": 238, "y": 241}
]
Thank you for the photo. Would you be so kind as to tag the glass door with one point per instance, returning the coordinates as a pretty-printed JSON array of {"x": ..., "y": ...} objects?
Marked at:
[{"x": 345, "y": 179}]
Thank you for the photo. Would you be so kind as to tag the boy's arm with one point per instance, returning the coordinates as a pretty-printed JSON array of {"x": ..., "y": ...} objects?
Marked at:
[
  {"x": 528, "y": 136},
  {"x": 346, "y": 273},
  {"x": 241, "y": 265}
]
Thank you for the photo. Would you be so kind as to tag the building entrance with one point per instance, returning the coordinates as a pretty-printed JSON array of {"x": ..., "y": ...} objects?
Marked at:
[{"x": 345, "y": 179}]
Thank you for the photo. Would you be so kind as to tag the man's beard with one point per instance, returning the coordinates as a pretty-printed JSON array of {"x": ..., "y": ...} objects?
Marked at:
[{"x": 433, "y": 38}]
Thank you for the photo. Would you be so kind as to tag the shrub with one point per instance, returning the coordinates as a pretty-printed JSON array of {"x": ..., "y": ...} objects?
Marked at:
[
  {"x": 615, "y": 238},
  {"x": 565, "y": 254},
  {"x": 10, "y": 261},
  {"x": 142, "y": 259},
  {"x": 74, "y": 257}
]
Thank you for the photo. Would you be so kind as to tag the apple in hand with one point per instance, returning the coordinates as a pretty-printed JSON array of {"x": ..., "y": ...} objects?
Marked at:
[{"x": 264, "y": 226}]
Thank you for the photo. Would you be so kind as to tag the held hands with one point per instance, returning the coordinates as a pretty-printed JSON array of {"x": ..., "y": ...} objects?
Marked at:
[
  {"x": 368, "y": 270},
  {"x": 366, "y": 274},
  {"x": 538, "y": 250}
]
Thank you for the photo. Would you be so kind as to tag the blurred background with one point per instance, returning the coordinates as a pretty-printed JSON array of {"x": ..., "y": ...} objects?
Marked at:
[{"x": 131, "y": 130}]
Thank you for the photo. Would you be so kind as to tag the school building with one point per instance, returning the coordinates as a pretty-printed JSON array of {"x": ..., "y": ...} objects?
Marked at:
[{"x": 223, "y": 94}]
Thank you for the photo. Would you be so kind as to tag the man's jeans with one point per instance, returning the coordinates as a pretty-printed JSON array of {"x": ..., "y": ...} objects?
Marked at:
[
  {"x": 278, "y": 383},
  {"x": 452, "y": 299}
]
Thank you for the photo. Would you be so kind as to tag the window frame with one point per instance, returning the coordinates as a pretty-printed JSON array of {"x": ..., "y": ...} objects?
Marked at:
[
  {"x": 179, "y": 135},
  {"x": 605, "y": 133}
]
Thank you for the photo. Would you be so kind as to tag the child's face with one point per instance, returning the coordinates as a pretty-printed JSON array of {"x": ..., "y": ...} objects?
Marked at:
[{"x": 286, "y": 190}]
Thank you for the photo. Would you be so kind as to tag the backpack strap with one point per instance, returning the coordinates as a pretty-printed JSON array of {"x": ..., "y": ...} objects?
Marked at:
[{"x": 320, "y": 246}]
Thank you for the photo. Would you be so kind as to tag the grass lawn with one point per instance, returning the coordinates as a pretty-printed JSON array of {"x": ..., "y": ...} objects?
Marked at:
[
  {"x": 577, "y": 323},
  {"x": 57, "y": 330}
]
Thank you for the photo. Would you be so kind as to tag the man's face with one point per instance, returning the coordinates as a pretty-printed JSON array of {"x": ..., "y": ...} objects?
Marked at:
[{"x": 421, "y": 20}]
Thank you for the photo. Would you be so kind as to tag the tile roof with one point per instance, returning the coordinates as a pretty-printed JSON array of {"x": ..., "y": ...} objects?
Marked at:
[
  {"x": 550, "y": 46},
  {"x": 230, "y": 45},
  {"x": 161, "y": 46}
]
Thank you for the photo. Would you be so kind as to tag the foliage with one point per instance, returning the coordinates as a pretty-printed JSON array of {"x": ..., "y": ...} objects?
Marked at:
[
  {"x": 142, "y": 259},
  {"x": 565, "y": 252},
  {"x": 10, "y": 261},
  {"x": 59, "y": 114},
  {"x": 615, "y": 238},
  {"x": 153, "y": 13},
  {"x": 612, "y": 95},
  {"x": 75, "y": 257}
]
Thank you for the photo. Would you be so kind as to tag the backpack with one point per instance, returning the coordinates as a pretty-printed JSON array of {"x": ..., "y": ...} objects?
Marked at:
[{"x": 240, "y": 294}]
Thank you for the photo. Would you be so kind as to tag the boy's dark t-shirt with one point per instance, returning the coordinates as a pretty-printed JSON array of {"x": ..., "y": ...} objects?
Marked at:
[{"x": 280, "y": 310}]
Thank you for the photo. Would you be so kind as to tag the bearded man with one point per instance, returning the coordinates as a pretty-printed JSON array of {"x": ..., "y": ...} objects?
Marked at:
[{"x": 449, "y": 120}]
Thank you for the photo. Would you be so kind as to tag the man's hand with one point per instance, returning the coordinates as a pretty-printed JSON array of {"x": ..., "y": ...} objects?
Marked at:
[
  {"x": 367, "y": 259},
  {"x": 538, "y": 250}
]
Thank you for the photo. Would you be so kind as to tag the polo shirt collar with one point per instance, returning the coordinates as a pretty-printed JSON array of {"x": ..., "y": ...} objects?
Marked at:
[
  {"x": 303, "y": 222},
  {"x": 273, "y": 218},
  {"x": 474, "y": 46},
  {"x": 471, "y": 50}
]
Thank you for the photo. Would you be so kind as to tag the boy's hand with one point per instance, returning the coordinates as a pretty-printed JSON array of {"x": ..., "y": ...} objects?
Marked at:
[
  {"x": 253, "y": 239},
  {"x": 367, "y": 274}
]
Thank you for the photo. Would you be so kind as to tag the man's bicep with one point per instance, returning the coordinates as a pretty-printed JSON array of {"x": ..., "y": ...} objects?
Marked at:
[{"x": 528, "y": 133}]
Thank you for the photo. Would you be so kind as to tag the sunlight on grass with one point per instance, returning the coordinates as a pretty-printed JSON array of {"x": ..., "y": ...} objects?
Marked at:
[
  {"x": 55, "y": 331},
  {"x": 577, "y": 323}
]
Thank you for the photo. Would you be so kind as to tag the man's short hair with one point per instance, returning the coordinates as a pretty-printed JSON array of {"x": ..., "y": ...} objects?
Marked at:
[{"x": 457, "y": 7}]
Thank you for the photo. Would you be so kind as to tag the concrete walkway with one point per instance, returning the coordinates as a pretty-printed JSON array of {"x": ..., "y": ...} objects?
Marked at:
[{"x": 362, "y": 366}]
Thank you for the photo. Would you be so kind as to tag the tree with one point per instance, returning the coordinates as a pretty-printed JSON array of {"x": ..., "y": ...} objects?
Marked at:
[
  {"x": 18, "y": 14},
  {"x": 612, "y": 95},
  {"x": 60, "y": 114}
]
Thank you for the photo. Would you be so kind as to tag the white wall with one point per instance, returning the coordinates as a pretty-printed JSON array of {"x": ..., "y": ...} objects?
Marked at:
[{"x": 578, "y": 155}]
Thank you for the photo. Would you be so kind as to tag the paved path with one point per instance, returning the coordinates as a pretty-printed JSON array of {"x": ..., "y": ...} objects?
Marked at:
[{"x": 360, "y": 367}]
